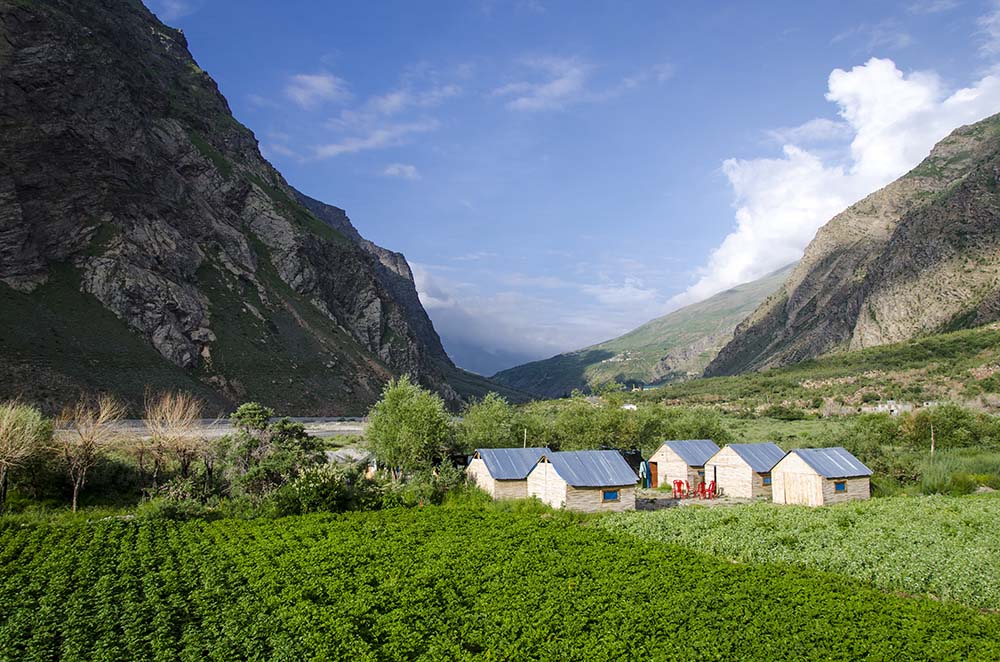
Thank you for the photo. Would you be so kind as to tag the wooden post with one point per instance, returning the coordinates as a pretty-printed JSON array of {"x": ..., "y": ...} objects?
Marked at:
[
  {"x": 932, "y": 439},
  {"x": 525, "y": 437}
]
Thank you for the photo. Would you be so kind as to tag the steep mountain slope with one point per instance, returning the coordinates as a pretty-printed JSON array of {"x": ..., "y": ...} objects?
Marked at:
[
  {"x": 667, "y": 348},
  {"x": 920, "y": 256},
  {"x": 145, "y": 241}
]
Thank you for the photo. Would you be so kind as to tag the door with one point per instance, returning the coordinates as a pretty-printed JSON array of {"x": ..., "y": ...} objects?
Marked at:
[{"x": 654, "y": 480}]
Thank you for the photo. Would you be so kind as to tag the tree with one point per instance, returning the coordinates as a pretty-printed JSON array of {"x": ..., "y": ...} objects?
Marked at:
[
  {"x": 267, "y": 454},
  {"x": 84, "y": 433},
  {"x": 173, "y": 420},
  {"x": 408, "y": 428},
  {"x": 488, "y": 423},
  {"x": 23, "y": 431}
]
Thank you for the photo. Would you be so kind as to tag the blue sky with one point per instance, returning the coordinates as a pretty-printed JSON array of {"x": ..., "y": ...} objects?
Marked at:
[{"x": 559, "y": 172}]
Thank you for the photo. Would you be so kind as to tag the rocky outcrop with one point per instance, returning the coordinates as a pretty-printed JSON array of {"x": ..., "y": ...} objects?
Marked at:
[
  {"x": 119, "y": 156},
  {"x": 920, "y": 256}
]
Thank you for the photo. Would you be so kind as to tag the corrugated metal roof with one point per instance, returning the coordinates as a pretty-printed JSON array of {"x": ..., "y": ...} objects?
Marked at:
[
  {"x": 592, "y": 468},
  {"x": 760, "y": 457},
  {"x": 511, "y": 463},
  {"x": 836, "y": 462},
  {"x": 694, "y": 451}
]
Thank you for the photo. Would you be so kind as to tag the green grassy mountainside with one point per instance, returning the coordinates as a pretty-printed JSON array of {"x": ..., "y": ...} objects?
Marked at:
[
  {"x": 961, "y": 367},
  {"x": 676, "y": 346}
]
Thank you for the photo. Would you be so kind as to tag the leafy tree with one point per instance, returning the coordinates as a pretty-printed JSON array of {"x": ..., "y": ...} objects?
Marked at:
[
  {"x": 950, "y": 426},
  {"x": 265, "y": 455},
  {"x": 23, "y": 431},
  {"x": 252, "y": 418},
  {"x": 408, "y": 428},
  {"x": 489, "y": 423}
]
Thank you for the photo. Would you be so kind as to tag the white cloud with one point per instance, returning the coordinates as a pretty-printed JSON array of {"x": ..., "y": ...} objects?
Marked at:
[
  {"x": 664, "y": 71},
  {"x": 280, "y": 149},
  {"x": 310, "y": 90},
  {"x": 894, "y": 118},
  {"x": 475, "y": 256},
  {"x": 932, "y": 6},
  {"x": 989, "y": 31},
  {"x": 171, "y": 10},
  {"x": 399, "y": 100},
  {"x": 884, "y": 35},
  {"x": 564, "y": 83},
  {"x": 631, "y": 292},
  {"x": 534, "y": 318},
  {"x": 388, "y": 135},
  {"x": 402, "y": 170},
  {"x": 815, "y": 130}
]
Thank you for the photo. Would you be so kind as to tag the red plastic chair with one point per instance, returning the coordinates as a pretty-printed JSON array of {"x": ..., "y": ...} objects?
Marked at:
[
  {"x": 678, "y": 489},
  {"x": 700, "y": 491},
  {"x": 711, "y": 493}
]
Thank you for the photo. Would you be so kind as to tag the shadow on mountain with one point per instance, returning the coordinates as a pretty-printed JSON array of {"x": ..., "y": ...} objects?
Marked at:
[{"x": 555, "y": 377}]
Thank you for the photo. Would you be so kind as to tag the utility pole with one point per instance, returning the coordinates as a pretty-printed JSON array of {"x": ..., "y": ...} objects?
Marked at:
[
  {"x": 932, "y": 439},
  {"x": 525, "y": 437}
]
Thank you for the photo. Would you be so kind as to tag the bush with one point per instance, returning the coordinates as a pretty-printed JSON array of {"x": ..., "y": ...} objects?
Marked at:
[
  {"x": 180, "y": 510},
  {"x": 784, "y": 413},
  {"x": 327, "y": 488}
]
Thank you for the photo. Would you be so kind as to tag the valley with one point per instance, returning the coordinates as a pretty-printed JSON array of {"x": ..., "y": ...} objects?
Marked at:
[{"x": 231, "y": 430}]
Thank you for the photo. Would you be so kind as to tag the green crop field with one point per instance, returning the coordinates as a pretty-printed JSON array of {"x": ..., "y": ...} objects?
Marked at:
[
  {"x": 945, "y": 547},
  {"x": 437, "y": 583}
]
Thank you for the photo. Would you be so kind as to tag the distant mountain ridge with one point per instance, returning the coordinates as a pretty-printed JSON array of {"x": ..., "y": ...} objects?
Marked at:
[
  {"x": 920, "y": 256},
  {"x": 144, "y": 240},
  {"x": 675, "y": 346}
]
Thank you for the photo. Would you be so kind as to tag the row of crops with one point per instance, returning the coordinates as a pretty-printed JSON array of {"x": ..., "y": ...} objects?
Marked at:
[
  {"x": 437, "y": 583},
  {"x": 946, "y": 547}
]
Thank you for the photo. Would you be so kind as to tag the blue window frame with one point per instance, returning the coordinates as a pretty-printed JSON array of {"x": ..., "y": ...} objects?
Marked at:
[
  {"x": 609, "y": 495},
  {"x": 840, "y": 486},
  {"x": 767, "y": 480}
]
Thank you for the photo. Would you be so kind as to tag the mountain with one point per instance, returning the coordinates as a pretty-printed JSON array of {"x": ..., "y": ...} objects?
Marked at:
[
  {"x": 145, "y": 242},
  {"x": 675, "y": 346},
  {"x": 918, "y": 257}
]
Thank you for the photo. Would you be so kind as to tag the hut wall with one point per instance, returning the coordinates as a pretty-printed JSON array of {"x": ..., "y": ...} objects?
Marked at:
[
  {"x": 795, "y": 482},
  {"x": 510, "y": 489},
  {"x": 734, "y": 477},
  {"x": 543, "y": 482},
  {"x": 591, "y": 500},
  {"x": 857, "y": 489},
  {"x": 484, "y": 480},
  {"x": 670, "y": 467}
]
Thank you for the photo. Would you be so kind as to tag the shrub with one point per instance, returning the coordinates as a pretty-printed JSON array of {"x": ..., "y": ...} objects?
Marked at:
[
  {"x": 327, "y": 488},
  {"x": 165, "y": 508}
]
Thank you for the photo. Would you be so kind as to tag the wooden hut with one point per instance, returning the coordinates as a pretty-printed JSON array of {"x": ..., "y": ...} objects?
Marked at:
[
  {"x": 820, "y": 476},
  {"x": 588, "y": 481},
  {"x": 503, "y": 472},
  {"x": 681, "y": 460},
  {"x": 743, "y": 471}
]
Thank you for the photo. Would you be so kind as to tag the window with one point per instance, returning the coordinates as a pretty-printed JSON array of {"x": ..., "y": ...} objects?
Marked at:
[
  {"x": 609, "y": 495},
  {"x": 840, "y": 486},
  {"x": 701, "y": 473},
  {"x": 766, "y": 479}
]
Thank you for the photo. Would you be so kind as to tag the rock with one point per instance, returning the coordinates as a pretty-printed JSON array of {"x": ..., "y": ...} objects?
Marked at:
[{"x": 920, "y": 256}]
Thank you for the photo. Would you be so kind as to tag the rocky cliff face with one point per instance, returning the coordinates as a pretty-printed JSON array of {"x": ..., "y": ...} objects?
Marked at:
[
  {"x": 920, "y": 256},
  {"x": 124, "y": 174}
]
